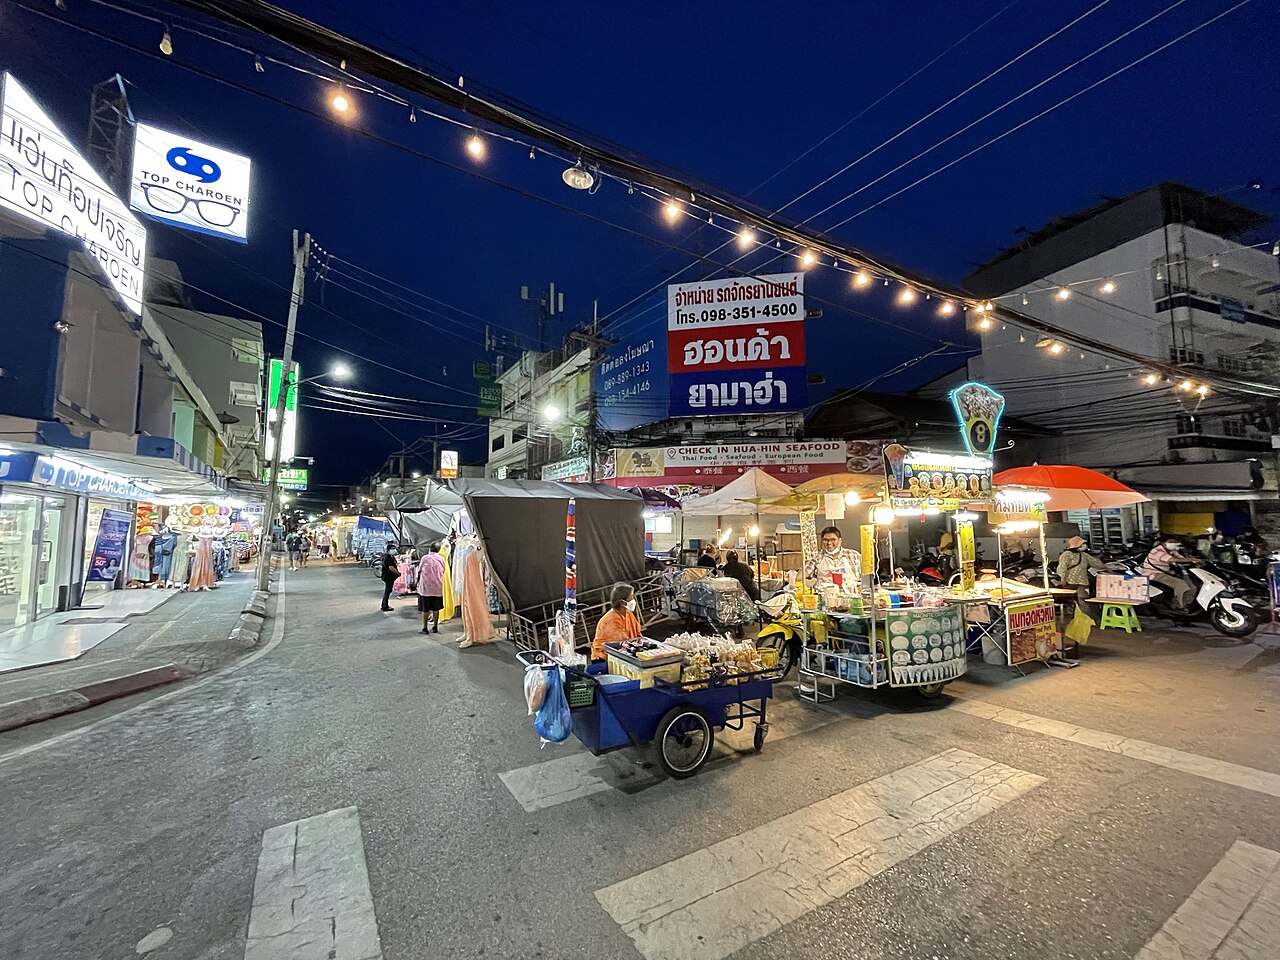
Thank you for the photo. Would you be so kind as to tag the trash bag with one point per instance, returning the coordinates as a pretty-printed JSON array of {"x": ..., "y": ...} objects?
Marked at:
[
  {"x": 552, "y": 721},
  {"x": 1080, "y": 627},
  {"x": 535, "y": 687}
]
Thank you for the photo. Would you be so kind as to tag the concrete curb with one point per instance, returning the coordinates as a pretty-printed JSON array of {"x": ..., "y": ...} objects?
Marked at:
[{"x": 22, "y": 713}]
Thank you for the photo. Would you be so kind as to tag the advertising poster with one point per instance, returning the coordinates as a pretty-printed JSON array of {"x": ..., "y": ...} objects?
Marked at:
[
  {"x": 736, "y": 345},
  {"x": 967, "y": 555},
  {"x": 718, "y": 463},
  {"x": 631, "y": 377},
  {"x": 1032, "y": 630},
  {"x": 109, "y": 546},
  {"x": 918, "y": 480},
  {"x": 190, "y": 184},
  {"x": 978, "y": 408},
  {"x": 926, "y": 645}
]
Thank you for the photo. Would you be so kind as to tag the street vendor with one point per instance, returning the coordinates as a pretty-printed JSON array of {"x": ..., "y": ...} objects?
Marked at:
[
  {"x": 619, "y": 623},
  {"x": 1074, "y": 564},
  {"x": 836, "y": 564}
]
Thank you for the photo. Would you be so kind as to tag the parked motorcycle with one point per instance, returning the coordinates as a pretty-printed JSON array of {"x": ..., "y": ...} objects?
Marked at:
[
  {"x": 781, "y": 621},
  {"x": 1229, "y": 613}
]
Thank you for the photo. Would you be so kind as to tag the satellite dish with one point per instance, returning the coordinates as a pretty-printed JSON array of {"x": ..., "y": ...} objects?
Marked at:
[{"x": 578, "y": 177}]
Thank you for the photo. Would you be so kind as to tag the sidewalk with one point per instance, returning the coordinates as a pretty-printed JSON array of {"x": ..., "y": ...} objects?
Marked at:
[{"x": 181, "y": 635}]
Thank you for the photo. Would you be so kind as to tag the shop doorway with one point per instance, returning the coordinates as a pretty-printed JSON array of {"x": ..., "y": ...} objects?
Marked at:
[{"x": 36, "y": 531}]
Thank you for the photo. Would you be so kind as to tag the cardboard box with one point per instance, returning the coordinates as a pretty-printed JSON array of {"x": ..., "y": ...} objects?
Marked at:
[{"x": 1114, "y": 586}]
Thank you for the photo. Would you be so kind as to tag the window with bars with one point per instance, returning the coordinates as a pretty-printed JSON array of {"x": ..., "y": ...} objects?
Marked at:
[
  {"x": 1188, "y": 423},
  {"x": 1233, "y": 364},
  {"x": 1235, "y": 427},
  {"x": 1185, "y": 355}
]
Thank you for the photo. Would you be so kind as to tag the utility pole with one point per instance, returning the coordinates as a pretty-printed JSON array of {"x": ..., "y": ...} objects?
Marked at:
[
  {"x": 301, "y": 251},
  {"x": 597, "y": 345}
]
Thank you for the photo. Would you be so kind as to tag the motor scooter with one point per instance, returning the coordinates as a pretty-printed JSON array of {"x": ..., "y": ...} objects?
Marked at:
[
  {"x": 780, "y": 627},
  {"x": 1214, "y": 598}
]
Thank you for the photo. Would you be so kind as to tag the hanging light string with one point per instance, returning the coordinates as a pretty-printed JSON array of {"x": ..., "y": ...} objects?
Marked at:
[{"x": 810, "y": 249}]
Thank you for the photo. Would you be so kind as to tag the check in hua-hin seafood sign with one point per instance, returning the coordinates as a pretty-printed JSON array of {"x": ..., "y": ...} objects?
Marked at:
[{"x": 736, "y": 345}]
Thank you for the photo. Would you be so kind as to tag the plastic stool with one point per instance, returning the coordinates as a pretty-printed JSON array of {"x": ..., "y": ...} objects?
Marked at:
[{"x": 1120, "y": 615}]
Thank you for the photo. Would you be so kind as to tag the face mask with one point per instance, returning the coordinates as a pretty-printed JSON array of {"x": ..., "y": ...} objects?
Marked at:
[
  {"x": 631, "y": 604},
  {"x": 833, "y": 551}
]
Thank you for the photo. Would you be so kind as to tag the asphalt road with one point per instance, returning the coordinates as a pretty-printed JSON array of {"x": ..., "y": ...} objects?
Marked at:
[{"x": 1127, "y": 808}]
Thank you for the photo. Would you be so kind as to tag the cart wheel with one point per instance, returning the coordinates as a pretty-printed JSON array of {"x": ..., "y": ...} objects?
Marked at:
[
  {"x": 683, "y": 741},
  {"x": 930, "y": 691},
  {"x": 762, "y": 731}
]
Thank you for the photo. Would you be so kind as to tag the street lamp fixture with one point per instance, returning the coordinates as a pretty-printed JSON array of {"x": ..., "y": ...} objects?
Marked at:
[{"x": 552, "y": 413}]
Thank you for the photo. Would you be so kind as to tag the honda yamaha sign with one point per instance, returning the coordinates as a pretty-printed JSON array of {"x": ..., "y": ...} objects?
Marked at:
[{"x": 190, "y": 184}]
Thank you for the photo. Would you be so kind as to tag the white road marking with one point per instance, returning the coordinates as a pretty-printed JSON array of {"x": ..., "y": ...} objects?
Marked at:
[
  {"x": 311, "y": 898},
  {"x": 579, "y": 774},
  {"x": 1234, "y": 914},
  {"x": 1223, "y": 771},
  {"x": 711, "y": 903},
  {"x": 181, "y": 690}
]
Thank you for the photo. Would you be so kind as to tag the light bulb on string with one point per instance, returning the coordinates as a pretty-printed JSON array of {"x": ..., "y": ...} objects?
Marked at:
[
  {"x": 746, "y": 237},
  {"x": 475, "y": 146},
  {"x": 906, "y": 295},
  {"x": 1185, "y": 386},
  {"x": 340, "y": 102},
  {"x": 531, "y": 157},
  {"x": 807, "y": 258},
  {"x": 672, "y": 210},
  {"x": 413, "y": 115},
  {"x": 1275, "y": 249},
  {"x": 860, "y": 279},
  {"x": 1109, "y": 287},
  {"x": 1022, "y": 338},
  {"x": 1025, "y": 301},
  {"x": 979, "y": 307},
  {"x": 1215, "y": 263},
  {"x": 257, "y": 64},
  {"x": 984, "y": 324},
  {"x": 1063, "y": 293},
  {"x": 166, "y": 43},
  {"x": 1202, "y": 390},
  {"x": 947, "y": 308}
]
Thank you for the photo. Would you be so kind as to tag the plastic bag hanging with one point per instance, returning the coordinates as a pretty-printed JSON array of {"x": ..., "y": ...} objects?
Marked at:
[{"x": 553, "y": 722}]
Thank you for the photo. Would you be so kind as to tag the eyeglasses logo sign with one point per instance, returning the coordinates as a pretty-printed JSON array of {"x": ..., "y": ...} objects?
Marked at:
[
  {"x": 190, "y": 185},
  {"x": 201, "y": 168}
]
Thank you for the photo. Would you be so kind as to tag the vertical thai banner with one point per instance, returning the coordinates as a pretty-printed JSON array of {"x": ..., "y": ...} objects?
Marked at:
[
  {"x": 109, "y": 546},
  {"x": 737, "y": 345},
  {"x": 569, "y": 616}
]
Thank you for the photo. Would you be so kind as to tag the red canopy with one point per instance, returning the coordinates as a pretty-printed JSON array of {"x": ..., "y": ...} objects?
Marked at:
[{"x": 1071, "y": 488}]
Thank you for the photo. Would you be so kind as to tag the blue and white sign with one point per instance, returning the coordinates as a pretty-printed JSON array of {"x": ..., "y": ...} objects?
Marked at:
[
  {"x": 17, "y": 467},
  {"x": 109, "y": 546},
  {"x": 190, "y": 184},
  {"x": 631, "y": 379},
  {"x": 72, "y": 477}
]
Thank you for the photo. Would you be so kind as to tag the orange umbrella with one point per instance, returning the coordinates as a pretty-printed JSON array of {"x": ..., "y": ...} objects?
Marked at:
[{"x": 1071, "y": 488}]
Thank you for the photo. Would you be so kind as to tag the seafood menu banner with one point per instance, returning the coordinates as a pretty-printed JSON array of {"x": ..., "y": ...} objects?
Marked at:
[{"x": 736, "y": 345}]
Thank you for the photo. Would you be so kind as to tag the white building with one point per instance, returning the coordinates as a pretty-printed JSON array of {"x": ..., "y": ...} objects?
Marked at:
[
  {"x": 1168, "y": 273},
  {"x": 542, "y": 431}
]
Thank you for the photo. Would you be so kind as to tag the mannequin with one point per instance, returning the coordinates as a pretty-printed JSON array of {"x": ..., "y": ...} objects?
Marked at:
[
  {"x": 202, "y": 577},
  {"x": 181, "y": 558},
  {"x": 140, "y": 559}
]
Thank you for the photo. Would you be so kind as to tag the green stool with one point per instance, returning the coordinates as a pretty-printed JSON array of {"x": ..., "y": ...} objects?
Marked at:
[{"x": 1119, "y": 615}]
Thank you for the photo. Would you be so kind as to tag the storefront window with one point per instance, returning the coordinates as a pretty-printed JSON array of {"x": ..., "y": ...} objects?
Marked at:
[
  {"x": 19, "y": 519},
  {"x": 55, "y": 550}
]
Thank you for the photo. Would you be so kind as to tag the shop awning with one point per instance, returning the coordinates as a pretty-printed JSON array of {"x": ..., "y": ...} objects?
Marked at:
[{"x": 168, "y": 469}]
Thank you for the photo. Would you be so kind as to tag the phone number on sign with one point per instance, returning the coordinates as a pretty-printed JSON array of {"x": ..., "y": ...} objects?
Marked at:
[{"x": 741, "y": 313}]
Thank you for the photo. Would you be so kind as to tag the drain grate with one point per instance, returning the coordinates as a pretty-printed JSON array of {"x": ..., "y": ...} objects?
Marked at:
[{"x": 78, "y": 621}]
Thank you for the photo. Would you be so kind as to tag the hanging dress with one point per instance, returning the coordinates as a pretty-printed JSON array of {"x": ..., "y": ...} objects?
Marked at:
[
  {"x": 449, "y": 600},
  {"x": 140, "y": 559},
  {"x": 202, "y": 567},
  {"x": 477, "y": 626}
]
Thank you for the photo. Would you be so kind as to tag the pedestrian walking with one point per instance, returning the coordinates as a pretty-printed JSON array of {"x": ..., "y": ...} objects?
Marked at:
[
  {"x": 431, "y": 574},
  {"x": 293, "y": 544},
  {"x": 390, "y": 573},
  {"x": 304, "y": 547},
  {"x": 323, "y": 542}
]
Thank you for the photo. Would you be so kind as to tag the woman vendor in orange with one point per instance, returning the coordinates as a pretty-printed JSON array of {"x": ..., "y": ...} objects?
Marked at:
[{"x": 620, "y": 623}]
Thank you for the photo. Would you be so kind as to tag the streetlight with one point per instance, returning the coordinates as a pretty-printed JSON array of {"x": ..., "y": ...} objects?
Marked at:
[{"x": 552, "y": 413}]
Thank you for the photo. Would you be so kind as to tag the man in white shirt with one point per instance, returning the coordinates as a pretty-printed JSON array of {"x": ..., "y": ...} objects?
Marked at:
[{"x": 836, "y": 563}]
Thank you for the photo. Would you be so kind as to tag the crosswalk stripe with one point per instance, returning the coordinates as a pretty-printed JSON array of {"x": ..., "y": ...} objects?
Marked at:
[
  {"x": 311, "y": 898},
  {"x": 1234, "y": 914},
  {"x": 1222, "y": 771},
  {"x": 717, "y": 900},
  {"x": 578, "y": 774}
]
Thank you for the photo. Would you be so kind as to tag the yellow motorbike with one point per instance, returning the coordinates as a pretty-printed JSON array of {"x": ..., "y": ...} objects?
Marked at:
[{"x": 780, "y": 623}]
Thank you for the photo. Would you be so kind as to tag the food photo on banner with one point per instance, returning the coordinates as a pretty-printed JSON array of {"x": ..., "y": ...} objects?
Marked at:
[
  {"x": 736, "y": 345},
  {"x": 915, "y": 478}
]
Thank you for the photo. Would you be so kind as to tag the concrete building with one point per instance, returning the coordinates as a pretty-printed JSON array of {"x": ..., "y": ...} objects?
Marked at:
[
  {"x": 225, "y": 357},
  {"x": 1169, "y": 273},
  {"x": 525, "y": 442}
]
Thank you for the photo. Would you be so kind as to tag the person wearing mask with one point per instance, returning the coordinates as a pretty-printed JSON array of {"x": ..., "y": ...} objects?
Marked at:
[
  {"x": 708, "y": 557},
  {"x": 619, "y": 623},
  {"x": 1074, "y": 564},
  {"x": 1161, "y": 565},
  {"x": 836, "y": 564},
  {"x": 390, "y": 572},
  {"x": 735, "y": 568},
  {"x": 431, "y": 589}
]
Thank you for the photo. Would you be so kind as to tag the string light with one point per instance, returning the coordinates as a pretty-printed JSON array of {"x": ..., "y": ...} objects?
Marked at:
[
  {"x": 1063, "y": 293},
  {"x": 1202, "y": 390},
  {"x": 1025, "y": 301},
  {"x": 1214, "y": 262},
  {"x": 984, "y": 323},
  {"x": 1275, "y": 249},
  {"x": 413, "y": 115},
  {"x": 672, "y": 210},
  {"x": 860, "y": 279},
  {"x": 1185, "y": 386},
  {"x": 1151, "y": 379},
  {"x": 980, "y": 307},
  {"x": 340, "y": 102},
  {"x": 746, "y": 237},
  {"x": 166, "y": 47},
  {"x": 257, "y": 64},
  {"x": 906, "y": 295},
  {"x": 1022, "y": 338},
  {"x": 947, "y": 308},
  {"x": 1109, "y": 287},
  {"x": 1055, "y": 348},
  {"x": 475, "y": 146},
  {"x": 808, "y": 258}
]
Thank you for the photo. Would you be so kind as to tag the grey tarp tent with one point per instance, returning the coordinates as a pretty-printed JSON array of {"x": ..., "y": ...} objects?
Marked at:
[
  {"x": 521, "y": 524},
  {"x": 422, "y": 516}
]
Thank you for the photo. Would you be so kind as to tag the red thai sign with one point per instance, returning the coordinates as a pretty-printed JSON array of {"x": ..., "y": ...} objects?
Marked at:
[{"x": 732, "y": 347}]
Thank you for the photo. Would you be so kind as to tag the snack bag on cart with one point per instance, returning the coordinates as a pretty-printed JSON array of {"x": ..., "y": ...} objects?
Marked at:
[
  {"x": 535, "y": 687},
  {"x": 552, "y": 721}
]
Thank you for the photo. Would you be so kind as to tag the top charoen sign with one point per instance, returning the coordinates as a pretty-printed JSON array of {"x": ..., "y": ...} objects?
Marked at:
[
  {"x": 190, "y": 184},
  {"x": 45, "y": 179}
]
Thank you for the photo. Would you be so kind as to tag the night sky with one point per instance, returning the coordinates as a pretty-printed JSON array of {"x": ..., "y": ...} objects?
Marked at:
[{"x": 729, "y": 93}]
